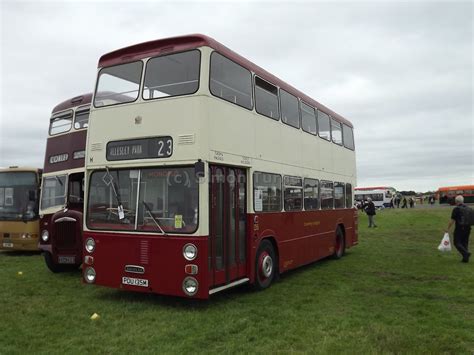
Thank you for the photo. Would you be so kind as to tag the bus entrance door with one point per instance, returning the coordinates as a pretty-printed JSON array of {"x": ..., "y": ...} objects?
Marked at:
[{"x": 227, "y": 247}]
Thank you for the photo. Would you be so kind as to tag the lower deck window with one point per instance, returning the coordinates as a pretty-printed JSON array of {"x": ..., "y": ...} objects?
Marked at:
[
  {"x": 348, "y": 196},
  {"x": 339, "y": 201},
  {"x": 293, "y": 193},
  {"x": 311, "y": 194},
  {"x": 327, "y": 194},
  {"x": 267, "y": 192}
]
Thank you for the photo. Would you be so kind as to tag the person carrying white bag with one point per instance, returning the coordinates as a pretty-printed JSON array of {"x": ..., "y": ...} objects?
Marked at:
[{"x": 445, "y": 244}]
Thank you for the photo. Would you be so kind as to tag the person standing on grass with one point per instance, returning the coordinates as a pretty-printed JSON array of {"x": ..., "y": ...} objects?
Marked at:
[
  {"x": 461, "y": 232},
  {"x": 370, "y": 210}
]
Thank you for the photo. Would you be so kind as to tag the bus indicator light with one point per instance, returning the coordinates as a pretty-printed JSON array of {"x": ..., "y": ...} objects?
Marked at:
[{"x": 191, "y": 269}]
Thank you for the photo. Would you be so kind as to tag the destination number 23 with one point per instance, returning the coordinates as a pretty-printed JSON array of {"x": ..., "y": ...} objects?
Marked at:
[{"x": 165, "y": 148}]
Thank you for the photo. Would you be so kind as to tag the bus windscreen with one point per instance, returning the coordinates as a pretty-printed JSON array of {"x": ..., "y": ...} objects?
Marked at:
[{"x": 18, "y": 196}]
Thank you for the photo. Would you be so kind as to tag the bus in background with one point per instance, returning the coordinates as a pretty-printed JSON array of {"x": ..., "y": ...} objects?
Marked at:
[
  {"x": 204, "y": 172},
  {"x": 19, "y": 198},
  {"x": 447, "y": 194},
  {"x": 62, "y": 197},
  {"x": 380, "y": 195}
]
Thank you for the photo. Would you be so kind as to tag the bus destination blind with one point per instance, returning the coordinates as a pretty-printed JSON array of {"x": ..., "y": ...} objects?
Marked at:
[{"x": 145, "y": 148}]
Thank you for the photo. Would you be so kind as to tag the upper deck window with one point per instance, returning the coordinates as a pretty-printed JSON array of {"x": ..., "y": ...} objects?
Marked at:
[
  {"x": 336, "y": 131},
  {"x": 82, "y": 118},
  {"x": 230, "y": 81},
  {"x": 324, "y": 126},
  {"x": 348, "y": 136},
  {"x": 266, "y": 99},
  {"x": 60, "y": 123},
  {"x": 308, "y": 119},
  {"x": 172, "y": 75},
  {"x": 118, "y": 84},
  {"x": 289, "y": 109}
]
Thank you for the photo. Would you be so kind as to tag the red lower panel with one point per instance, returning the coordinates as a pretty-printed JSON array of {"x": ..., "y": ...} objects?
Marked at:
[
  {"x": 160, "y": 256},
  {"x": 301, "y": 237}
]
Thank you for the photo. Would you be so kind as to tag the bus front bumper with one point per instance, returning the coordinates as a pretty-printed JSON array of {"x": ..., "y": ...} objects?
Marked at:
[{"x": 19, "y": 242}]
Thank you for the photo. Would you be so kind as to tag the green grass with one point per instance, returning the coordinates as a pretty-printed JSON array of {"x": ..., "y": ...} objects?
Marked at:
[{"x": 393, "y": 293}]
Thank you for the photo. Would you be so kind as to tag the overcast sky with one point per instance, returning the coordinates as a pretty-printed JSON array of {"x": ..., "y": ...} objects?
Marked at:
[{"x": 401, "y": 72}]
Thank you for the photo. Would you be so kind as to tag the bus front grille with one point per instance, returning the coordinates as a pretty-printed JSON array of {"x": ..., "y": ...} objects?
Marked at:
[{"x": 65, "y": 234}]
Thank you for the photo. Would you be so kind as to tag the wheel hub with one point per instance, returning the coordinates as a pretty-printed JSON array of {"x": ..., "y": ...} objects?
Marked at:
[{"x": 267, "y": 266}]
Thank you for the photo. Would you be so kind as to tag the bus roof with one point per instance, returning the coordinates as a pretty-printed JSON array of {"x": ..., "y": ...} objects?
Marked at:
[
  {"x": 460, "y": 187},
  {"x": 187, "y": 42},
  {"x": 75, "y": 101},
  {"x": 374, "y": 188}
]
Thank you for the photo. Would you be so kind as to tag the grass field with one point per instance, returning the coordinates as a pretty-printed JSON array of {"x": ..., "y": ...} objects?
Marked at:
[{"x": 393, "y": 293}]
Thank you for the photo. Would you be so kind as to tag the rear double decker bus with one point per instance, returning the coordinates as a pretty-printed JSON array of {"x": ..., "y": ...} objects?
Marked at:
[
  {"x": 62, "y": 197},
  {"x": 19, "y": 198},
  {"x": 447, "y": 194},
  {"x": 204, "y": 172}
]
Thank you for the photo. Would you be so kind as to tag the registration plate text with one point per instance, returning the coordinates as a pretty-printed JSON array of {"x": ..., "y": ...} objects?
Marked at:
[
  {"x": 7, "y": 245},
  {"x": 67, "y": 259},
  {"x": 134, "y": 282}
]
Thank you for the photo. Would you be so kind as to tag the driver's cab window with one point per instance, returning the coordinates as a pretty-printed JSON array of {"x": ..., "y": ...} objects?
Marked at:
[{"x": 76, "y": 189}]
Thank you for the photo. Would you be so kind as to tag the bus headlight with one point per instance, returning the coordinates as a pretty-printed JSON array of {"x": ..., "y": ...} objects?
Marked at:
[
  {"x": 190, "y": 286},
  {"x": 44, "y": 235},
  {"x": 90, "y": 245},
  {"x": 89, "y": 275},
  {"x": 190, "y": 252}
]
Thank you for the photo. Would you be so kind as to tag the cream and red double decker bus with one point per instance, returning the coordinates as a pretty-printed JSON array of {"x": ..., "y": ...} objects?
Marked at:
[
  {"x": 62, "y": 197},
  {"x": 204, "y": 171},
  {"x": 19, "y": 198}
]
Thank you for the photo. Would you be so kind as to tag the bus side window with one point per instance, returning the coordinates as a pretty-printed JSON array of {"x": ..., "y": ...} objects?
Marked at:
[
  {"x": 230, "y": 81},
  {"x": 348, "y": 196},
  {"x": 266, "y": 99},
  {"x": 311, "y": 194},
  {"x": 293, "y": 195},
  {"x": 338, "y": 195},
  {"x": 327, "y": 194},
  {"x": 324, "y": 126}
]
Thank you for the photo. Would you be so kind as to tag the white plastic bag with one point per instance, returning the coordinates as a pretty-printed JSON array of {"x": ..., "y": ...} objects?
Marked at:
[{"x": 445, "y": 244}]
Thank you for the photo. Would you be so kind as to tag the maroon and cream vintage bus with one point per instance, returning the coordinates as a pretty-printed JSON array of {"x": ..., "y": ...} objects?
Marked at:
[
  {"x": 204, "y": 172},
  {"x": 62, "y": 195}
]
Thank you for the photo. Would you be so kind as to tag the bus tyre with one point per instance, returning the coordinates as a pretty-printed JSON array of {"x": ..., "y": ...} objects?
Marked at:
[
  {"x": 340, "y": 246},
  {"x": 54, "y": 267},
  {"x": 265, "y": 265}
]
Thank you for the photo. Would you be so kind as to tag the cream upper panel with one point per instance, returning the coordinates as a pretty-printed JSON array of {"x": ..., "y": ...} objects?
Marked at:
[{"x": 208, "y": 128}]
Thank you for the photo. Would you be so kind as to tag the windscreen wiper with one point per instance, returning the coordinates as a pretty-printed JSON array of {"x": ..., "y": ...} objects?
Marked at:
[
  {"x": 59, "y": 180},
  {"x": 120, "y": 212},
  {"x": 148, "y": 209}
]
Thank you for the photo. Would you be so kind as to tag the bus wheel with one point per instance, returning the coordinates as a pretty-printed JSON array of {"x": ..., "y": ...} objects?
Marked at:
[
  {"x": 340, "y": 247},
  {"x": 54, "y": 267},
  {"x": 265, "y": 265}
]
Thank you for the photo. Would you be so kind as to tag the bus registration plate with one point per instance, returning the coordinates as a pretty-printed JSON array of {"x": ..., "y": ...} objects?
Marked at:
[
  {"x": 7, "y": 245},
  {"x": 134, "y": 282},
  {"x": 67, "y": 259}
]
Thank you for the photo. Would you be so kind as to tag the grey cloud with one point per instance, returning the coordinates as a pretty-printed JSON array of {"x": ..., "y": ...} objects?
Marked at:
[{"x": 400, "y": 71}]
